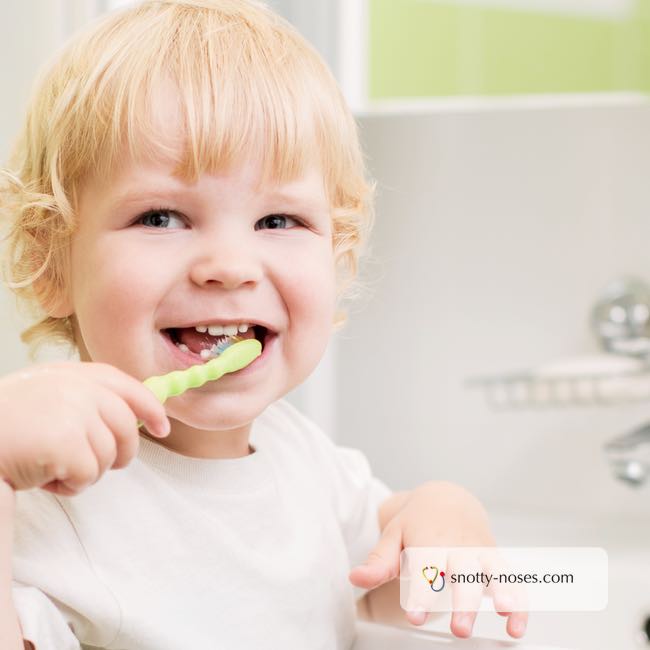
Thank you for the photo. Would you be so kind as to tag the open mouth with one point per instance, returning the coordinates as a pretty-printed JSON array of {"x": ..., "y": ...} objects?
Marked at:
[{"x": 198, "y": 346}]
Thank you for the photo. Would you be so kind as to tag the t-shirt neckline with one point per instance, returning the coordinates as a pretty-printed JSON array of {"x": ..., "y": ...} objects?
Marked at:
[{"x": 244, "y": 474}]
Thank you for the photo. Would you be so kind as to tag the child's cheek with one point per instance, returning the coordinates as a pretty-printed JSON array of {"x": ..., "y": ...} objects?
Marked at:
[
  {"x": 115, "y": 297},
  {"x": 312, "y": 283},
  {"x": 310, "y": 297}
]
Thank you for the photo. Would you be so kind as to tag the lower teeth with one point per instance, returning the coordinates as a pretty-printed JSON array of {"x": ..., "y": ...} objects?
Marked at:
[{"x": 214, "y": 351}]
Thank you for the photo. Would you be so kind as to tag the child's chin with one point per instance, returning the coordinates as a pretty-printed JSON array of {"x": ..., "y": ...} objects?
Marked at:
[{"x": 217, "y": 412}]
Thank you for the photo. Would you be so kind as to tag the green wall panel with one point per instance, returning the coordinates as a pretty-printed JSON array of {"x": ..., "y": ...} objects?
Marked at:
[{"x": 421, "y": 49}]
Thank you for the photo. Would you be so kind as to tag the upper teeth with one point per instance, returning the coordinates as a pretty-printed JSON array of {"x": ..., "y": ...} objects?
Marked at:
[{"x": 219, "y": 330}]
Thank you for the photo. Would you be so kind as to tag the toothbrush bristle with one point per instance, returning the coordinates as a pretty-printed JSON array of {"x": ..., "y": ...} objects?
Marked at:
[{"x": 226, "y": 343}]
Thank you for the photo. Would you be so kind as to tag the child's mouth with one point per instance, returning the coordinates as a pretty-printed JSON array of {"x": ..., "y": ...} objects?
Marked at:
[{"x": 193, "y": 345}]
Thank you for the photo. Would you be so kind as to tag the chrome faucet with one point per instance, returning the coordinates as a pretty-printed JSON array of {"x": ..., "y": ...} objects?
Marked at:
[
  {"x": 629, "y": 456},
  {"x": 621, "y": 317},
  {"x": 621, "y": 320}
]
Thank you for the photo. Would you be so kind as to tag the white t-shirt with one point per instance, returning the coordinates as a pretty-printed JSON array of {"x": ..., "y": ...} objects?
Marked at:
[{"x": 177, "y": 553}]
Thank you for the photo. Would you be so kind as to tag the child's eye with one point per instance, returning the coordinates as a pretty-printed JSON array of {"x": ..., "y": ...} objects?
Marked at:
[
  {"x": 274, "y": 221},
  {"x": 159, "y": 218}
]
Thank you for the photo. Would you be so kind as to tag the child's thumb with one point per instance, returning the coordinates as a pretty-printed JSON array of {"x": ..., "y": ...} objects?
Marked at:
[{"x": 159, "y": 430}]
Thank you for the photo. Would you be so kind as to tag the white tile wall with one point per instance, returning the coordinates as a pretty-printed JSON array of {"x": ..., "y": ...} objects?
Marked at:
[
  {"x": 29, "y": 32},
  {"x": 496, "y": 230}
]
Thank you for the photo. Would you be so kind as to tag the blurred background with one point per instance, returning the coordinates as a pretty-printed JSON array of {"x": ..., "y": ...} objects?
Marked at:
[{"x": 510, "y": 140}]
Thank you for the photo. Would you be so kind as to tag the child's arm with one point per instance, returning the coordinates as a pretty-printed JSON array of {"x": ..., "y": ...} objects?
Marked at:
[
  {"x": 11, "y": 636},
  {"x": 64, "y": 425},
  {"x": 437, "y": 513}
]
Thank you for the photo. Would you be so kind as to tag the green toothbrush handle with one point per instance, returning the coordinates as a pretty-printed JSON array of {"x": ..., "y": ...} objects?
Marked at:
[{"x": 234, "y": 358}]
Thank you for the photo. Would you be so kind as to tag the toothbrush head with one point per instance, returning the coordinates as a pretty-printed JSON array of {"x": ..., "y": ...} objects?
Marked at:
[{"x": 233, "y": 358}]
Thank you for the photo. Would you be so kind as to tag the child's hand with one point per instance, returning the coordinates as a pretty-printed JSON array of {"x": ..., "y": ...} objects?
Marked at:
[
  {"x": 434, "y": 514},
  {"x": 64, "y": 424}
]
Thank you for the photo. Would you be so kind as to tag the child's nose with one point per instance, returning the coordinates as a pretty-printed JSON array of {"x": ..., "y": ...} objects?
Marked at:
[{"x": 227, "y": 264}]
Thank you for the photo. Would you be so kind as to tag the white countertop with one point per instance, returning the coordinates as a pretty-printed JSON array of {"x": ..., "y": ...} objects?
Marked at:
[{"x": 381, "y": 637}]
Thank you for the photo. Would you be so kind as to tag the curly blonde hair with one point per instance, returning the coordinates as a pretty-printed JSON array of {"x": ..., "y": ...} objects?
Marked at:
[{"x": 248, "y": 85}]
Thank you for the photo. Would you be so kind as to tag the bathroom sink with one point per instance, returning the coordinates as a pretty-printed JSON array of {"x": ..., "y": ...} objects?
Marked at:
[{"x": 372, "y": 636}]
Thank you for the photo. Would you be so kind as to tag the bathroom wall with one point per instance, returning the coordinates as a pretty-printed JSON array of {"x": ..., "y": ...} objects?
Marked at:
[
  {"x": 21, "y": 58},
  {"x": 30, "y": 32},
  {"x": 497, "y": 226},
  {"x": 420, "y": 48}
]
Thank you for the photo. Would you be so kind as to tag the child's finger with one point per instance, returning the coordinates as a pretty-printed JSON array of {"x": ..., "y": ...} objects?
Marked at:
[
  {"x": 140, "y": 399},
  {"x": 423, "y": 582},
  {"x": 462, "y": 624},
  {"x": 507, "y": 597},
  {"x": 104, "y": 446},
  {"x": 118, "y": 417},
  {"x": 81, "y": 473},
  {"x": 466, "y": 597},
  {"x": 517, "y": 623},
  {"x": 58, "y": 488},
  {"x": 417, "y": 617},
  {"x": 382, "y": 564}
]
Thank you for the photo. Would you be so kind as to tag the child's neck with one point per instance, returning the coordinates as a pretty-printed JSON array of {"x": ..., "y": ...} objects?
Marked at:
[{"x": 214, "y": 447}]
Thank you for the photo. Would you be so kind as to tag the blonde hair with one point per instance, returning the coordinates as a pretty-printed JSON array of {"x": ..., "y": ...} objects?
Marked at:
[{"x": 249, "y": 85}]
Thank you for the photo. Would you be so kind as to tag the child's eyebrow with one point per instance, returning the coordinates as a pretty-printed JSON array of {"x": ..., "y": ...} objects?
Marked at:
[
  {"x": 143, "y": 195},
  {"x": 299, "y": 201}
]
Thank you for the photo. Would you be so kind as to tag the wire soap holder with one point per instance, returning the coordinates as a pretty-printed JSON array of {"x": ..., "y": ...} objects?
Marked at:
[{"x": 621, "y": 322}]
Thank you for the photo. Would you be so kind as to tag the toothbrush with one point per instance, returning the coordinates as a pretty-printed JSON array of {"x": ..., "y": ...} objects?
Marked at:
[{"x": 233, "y": 357}]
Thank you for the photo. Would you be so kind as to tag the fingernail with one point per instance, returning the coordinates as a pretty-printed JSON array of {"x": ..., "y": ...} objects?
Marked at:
[
  {"x": 418, "y": 616},
  {"x": 518, "y": 627},
  {"x": 160, "y": 430},
  {"x": 465, "y": 621}
]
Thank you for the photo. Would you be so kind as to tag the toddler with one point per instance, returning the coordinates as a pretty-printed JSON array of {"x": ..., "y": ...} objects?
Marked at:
[{"x": 234, "y": 522}]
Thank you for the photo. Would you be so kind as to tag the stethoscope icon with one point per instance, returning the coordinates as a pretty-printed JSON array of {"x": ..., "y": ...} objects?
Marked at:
[{"x": 440, "y": 574}]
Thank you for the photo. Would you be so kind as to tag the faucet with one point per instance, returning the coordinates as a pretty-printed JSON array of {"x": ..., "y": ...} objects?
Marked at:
[
  {"x": 621, "y": 320},
  {"x": 621, "y": 317},
  {"x": 629, "y": 456}
]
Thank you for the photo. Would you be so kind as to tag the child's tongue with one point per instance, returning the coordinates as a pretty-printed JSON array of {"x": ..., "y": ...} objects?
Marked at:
[{"x": 197, "y": 341}]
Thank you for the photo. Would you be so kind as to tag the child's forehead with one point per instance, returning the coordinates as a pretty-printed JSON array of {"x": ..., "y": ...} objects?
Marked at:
[
  {"x": 153, "y": 164},
  {"x": 141, "y": 176},
  {"x": 170, "y": 132}
]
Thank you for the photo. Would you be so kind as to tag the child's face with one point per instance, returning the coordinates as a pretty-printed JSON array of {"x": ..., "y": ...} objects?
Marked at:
[{"x": 208, "y": 253}]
